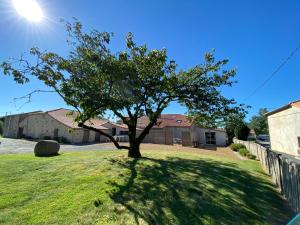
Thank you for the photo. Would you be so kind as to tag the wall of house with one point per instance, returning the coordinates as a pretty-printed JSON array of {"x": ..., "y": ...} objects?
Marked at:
[
  {"x": 102, "y": 137},
  {"x": 177, "y": 131},
  {"x": 118, "y": 128},
  {"x": 164, "y": 135},
  {"x": 11, "y": 127},
  {"x": 160, "y": 136},
  {"x": 198, "y": 134},
  {"x": 41, "y": 125},
  {"x": 284, "y": 130}
]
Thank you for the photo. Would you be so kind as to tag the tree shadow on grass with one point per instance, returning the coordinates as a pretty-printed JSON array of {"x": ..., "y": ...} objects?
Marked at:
[{"x": 186, "y": 191}]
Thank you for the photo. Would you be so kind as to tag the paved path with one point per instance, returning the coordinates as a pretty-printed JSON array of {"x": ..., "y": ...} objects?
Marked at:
[
  {"x": 9, "y": 145},
  {"x": 15, "y": 146}
]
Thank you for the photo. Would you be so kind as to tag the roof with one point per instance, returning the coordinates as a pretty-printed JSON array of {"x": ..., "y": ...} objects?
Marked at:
[
  {"x": 34, "y": 112},
  {"x": 170, "y": 120},
  {"x": 166, "y": 120},
  {"x": 64, "y": 116},
  {"x": 287, "y": 106}
]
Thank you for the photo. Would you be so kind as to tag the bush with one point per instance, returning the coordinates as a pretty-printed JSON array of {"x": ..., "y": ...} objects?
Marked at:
[
  {"x": 244, "y": 152},
  {"x": 250, "y": 156},
  {"x": 235, "y": 146}
]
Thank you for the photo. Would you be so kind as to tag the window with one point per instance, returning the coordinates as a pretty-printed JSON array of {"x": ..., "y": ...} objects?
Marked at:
[
  {"x": 210, "y": 138},
  {"x": 123, "y": 132}
]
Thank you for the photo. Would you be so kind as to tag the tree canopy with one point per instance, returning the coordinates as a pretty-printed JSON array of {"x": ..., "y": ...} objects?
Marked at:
[
  {"x": 259, "y": 123},
  {"x": 236, "y": 126},
  {"x": 131, "y": 83}
]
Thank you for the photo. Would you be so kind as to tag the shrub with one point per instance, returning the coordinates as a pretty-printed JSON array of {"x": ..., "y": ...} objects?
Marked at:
[
  {"x": 250, "y": 156},
  {"x": 235, "y": 146},
  {"x": 244, "y": 152}
]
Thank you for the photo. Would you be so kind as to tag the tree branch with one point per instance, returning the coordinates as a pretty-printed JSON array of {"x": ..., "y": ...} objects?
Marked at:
[
  {"x": 29, "y": 96},
  {"x": 104, "y": 134}
]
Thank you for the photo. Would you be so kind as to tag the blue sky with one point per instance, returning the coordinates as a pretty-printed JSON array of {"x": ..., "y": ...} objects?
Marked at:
[{"x": 256, "y": 36}]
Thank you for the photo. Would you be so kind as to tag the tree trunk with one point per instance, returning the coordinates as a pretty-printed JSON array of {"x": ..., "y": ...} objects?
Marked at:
[
  {"x": 134, "y": 144},
  {"x": 134, "y": 150}
]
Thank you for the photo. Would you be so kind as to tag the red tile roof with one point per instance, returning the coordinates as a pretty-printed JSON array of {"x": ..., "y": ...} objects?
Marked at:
[
  {"x": 166, "y": 120},
  {"x": 61, "y": 115},
  {"x": 170, "y": 120},
  {"x": 289, "y": 105}
]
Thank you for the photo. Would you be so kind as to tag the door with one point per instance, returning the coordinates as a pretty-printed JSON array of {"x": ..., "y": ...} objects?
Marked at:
[
  {"x": 20, "y": 132},
  {"x": 114, "y": 131},
  {"x": 97, "y": 137},
  {"x": 55, "y": 135},
  {"x": 86, "y": 136}
]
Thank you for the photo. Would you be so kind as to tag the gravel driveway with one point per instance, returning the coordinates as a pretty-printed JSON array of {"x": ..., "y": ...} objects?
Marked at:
[{"x": 9, "y": 145}]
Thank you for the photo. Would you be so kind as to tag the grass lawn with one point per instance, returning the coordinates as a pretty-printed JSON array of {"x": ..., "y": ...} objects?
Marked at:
[{"x": 165, "y": 187}]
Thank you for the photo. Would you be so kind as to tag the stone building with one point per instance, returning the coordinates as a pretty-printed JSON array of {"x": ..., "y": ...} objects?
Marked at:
[
  {"x": 170, "y": 129},
  {"x": 57, "y": 124}
]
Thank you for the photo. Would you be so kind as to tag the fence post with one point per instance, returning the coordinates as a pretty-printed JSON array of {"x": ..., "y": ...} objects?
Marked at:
[{"x": 280, "y": 172}]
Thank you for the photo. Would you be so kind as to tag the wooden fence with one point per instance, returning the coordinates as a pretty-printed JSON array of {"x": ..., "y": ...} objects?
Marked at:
[{"x": 284, "y": 170}]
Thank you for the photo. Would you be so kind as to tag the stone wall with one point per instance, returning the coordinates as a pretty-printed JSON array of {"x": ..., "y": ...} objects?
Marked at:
[
  {"x": 41, "y": 126},
  {"x": 160, "y": 136}
]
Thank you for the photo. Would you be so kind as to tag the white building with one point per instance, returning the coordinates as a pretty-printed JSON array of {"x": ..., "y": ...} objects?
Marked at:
[{"x": 284, "y": 128}]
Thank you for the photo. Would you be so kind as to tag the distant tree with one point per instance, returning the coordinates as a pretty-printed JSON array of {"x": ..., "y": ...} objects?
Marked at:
[
  {"x": 259, "y": 123},
  {"x": 231, "y": 123},
  {"x": 242, "y": 131},
  {"x": 130, "y": 83}
]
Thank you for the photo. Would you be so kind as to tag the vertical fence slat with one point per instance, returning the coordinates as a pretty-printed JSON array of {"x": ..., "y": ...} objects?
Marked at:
[{"x": 284, "y": 171}]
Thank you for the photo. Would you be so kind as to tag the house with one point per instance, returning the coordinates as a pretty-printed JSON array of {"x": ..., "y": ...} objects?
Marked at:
[
  {"x": 58, "y": 124},
  {"x": 176, "y": 128},
  {"x": 284, "y": 128}
]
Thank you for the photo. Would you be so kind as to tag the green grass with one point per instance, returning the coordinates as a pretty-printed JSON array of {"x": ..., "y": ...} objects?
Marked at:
[{"x": 106, "y": 187}]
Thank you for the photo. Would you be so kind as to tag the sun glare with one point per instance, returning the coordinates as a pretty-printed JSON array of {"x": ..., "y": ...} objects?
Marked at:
[{"x": 29, "y": 9}]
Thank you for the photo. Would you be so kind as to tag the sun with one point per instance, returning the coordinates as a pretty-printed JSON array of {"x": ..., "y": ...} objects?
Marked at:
[{"x": 29, "y": 9}]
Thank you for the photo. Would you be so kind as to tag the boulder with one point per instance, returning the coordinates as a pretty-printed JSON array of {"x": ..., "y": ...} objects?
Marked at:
[{"x": 46, "y": 148}]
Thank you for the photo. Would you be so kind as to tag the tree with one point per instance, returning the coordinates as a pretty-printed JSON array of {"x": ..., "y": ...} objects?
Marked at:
[
  {"x": 232, "y": 124},
  {"x": 130, "y": 83},
  {"x": 259, "y": 123},
  {"x": 241, "y": 131}
]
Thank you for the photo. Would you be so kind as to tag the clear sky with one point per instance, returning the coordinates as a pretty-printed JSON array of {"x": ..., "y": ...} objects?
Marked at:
[{"x": 255, "y": 35}]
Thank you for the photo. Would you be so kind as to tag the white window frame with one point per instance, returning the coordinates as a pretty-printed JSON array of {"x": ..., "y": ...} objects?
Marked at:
[{"x": 209, "y": 138}]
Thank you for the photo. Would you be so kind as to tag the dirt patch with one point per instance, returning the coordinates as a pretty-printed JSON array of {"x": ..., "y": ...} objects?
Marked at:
[{"x": 213, "y": 151}]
